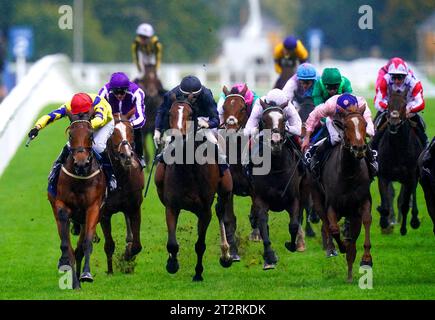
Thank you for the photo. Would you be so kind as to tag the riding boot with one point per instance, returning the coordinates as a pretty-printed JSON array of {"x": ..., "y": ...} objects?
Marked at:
[
  {"x": 104, "y": 160},
  {"x": 319, "y": 157},
  {"x": 138, "y": 145},
  {"x": 420, "y": 129},
  {"x": 372, "y": 163},
  {"x": 54, "y": 173}
]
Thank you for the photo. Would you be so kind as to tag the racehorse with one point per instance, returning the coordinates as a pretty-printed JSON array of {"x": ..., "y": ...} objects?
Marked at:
[
  {"x": 398, "y": 151},
  {"x": 154, "y": 92},
  {"x": 344, "y": 189},
  {"x": 127, "y": 197},
  {"x": 235, "y": 116},
  {"x": 288, "y": 67},
  {"x": 427, "y": 181},
  {"x": 277, "y": 190},
  {"x": 191, "y": 187},
  {"x": 80, "y": 193}
]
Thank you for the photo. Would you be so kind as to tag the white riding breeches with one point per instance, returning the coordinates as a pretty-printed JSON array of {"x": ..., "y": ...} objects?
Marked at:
[
  {"x": 333, "y": 133},
  {"x": 102, "y": 135}
]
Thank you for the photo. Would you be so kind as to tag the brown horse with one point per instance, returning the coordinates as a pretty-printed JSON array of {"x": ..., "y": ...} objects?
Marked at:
[
  {"x": 277, "y": 190},
  {"x": 80, "y": 195},
  {"x": 344, "y": 190},
  {"x": 398, "y": 151},
  {"x": 154, "y": 92},
  {"x": 191, "y": 186},
  {"x": 234, "y": 120},
  {"x": 127, "y": 198}
]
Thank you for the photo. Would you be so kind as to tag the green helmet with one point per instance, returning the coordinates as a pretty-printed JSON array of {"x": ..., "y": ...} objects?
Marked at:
[{"x": 331, "y": 76}]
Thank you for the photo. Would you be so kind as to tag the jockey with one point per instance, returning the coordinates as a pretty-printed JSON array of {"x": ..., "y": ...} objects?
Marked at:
[
  {"x": 146, "y": 49},
  {"x": 102, "y": 123},
  {"x": 400, "y": 79},
  {"x": 301, "y": 84},
  {"x": 124, "y": 95},
  {"x": 329, "y": 109},
  {"x": 330, "y": 84},
  {"x": 250, "y": 98},
  {"x": 289, "y": 52}
]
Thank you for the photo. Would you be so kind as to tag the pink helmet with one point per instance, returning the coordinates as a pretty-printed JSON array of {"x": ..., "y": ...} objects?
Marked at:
[
  {"x": 397, "y": 66},
  {"x": 249, "y": 96}
]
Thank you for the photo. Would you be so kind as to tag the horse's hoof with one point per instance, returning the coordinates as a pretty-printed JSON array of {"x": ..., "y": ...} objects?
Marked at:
[
  {"x": 86, "y": 277},
  {"x": 255, "y": 236},
  {"x": 415, "y": 223},
  {"x": 300, "y": 247},
  {"x": 235, "y": 257},
  {"x": 226, "y": 263},
  {"x": 269, "y": 266},
  {"x": 172, "y": 266},
  {"x": 314, "y": 218},
  {"x": 197, "y": 277},
  {"x": 310, "y": 233},
  {"x": 383, "y": 222},
  {"x": 290, "y": 246},
  {"x": 331, "y": 253},
  {"x": 342, "y": 248},
  {"x": 349, "y": 279},
  {"x": 403, "y": 231}
]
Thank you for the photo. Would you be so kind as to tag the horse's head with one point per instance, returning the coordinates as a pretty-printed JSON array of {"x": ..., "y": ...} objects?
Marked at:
[
  {"x": 273, "y": 120},
  {"x": 122, "y": 138},
  {"x": 180, "y": 115},
  {"x": 80, "y": 140},
  {"x": 353, "y": 126},
  {"x": 235, "y": 109},
  {"x": 396, "y": 110}
]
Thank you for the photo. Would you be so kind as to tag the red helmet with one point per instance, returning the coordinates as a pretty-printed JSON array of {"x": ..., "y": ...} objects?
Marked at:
[
  {"x": 81, "y": 103},
  {"x": 397, "y": 66}
]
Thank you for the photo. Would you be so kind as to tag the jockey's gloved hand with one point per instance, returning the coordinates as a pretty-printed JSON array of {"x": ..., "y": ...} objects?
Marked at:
[
  {"x": 156, "y": 138},
  {"x": 202, "y": 123},
  {"x": 33, "y": 133}
]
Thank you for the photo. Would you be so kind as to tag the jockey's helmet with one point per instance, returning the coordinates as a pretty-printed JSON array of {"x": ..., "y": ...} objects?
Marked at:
[
  {"x": 145, "y": 29},
  {"x": 249, "y": 95},
  {"x": 190, "y": 85},
  {"x": 306, "y": 71},
  {"x": 331, "y": 76},
  {"x": 81, "y": 103},
  {"x": 119, "y": 80},
  {"x": 276, "y": 97},
  {"x": 346, "y": 100},
  {"x": 397, "y": 66},
  {"x": 290, "y": 42}
]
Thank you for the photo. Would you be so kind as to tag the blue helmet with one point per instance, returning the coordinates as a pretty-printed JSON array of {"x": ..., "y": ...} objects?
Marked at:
[
  {"x": 346, "y": 100},
  {"x": 306, "y": 71},
  {"x": 290, "y": 42},
  {"x": 190, "y": 84},
  {"x": 119, "y": 80}
]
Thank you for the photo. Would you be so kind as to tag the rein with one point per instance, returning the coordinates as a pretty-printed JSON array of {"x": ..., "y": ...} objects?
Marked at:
[{"x": 72, "y": 175}]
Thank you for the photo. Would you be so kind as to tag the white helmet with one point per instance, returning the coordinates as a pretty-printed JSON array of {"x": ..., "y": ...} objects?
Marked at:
[
  {"x": 276, "y": 96},
  {"x": 145, "y": 30}
]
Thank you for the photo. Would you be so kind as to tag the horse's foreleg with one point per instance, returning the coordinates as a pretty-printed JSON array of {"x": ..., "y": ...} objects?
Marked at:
[
  {"x": 415, "y": 222},
  {"x": 261, "y": 215},
  {"x": 203, "y": 222},
  {"x": 227, "y": 221},
  {"x": 172, "y": 245},
  {"x": 159, "y": 179},
  {"x": 403, "y": 205},
  {"x": 67, "y": 259},
  {"x": 294, "y": 225},
  {"x": 79, "y": 251},
  {"x": 255, "y": 233},
  {"x": 366, "y": 213},
  {"x": 354, "y": 231},
  {"x": 334, "y": 229},
  {"x": 386, "y": 203},
  {"x": 92, "y": 218},
  {"x": 109, "y": 244},
  {"x": 134, "y": 246}
]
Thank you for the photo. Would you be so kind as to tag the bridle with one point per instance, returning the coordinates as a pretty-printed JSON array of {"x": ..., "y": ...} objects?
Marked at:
[{"x": 355, "y": 151}]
